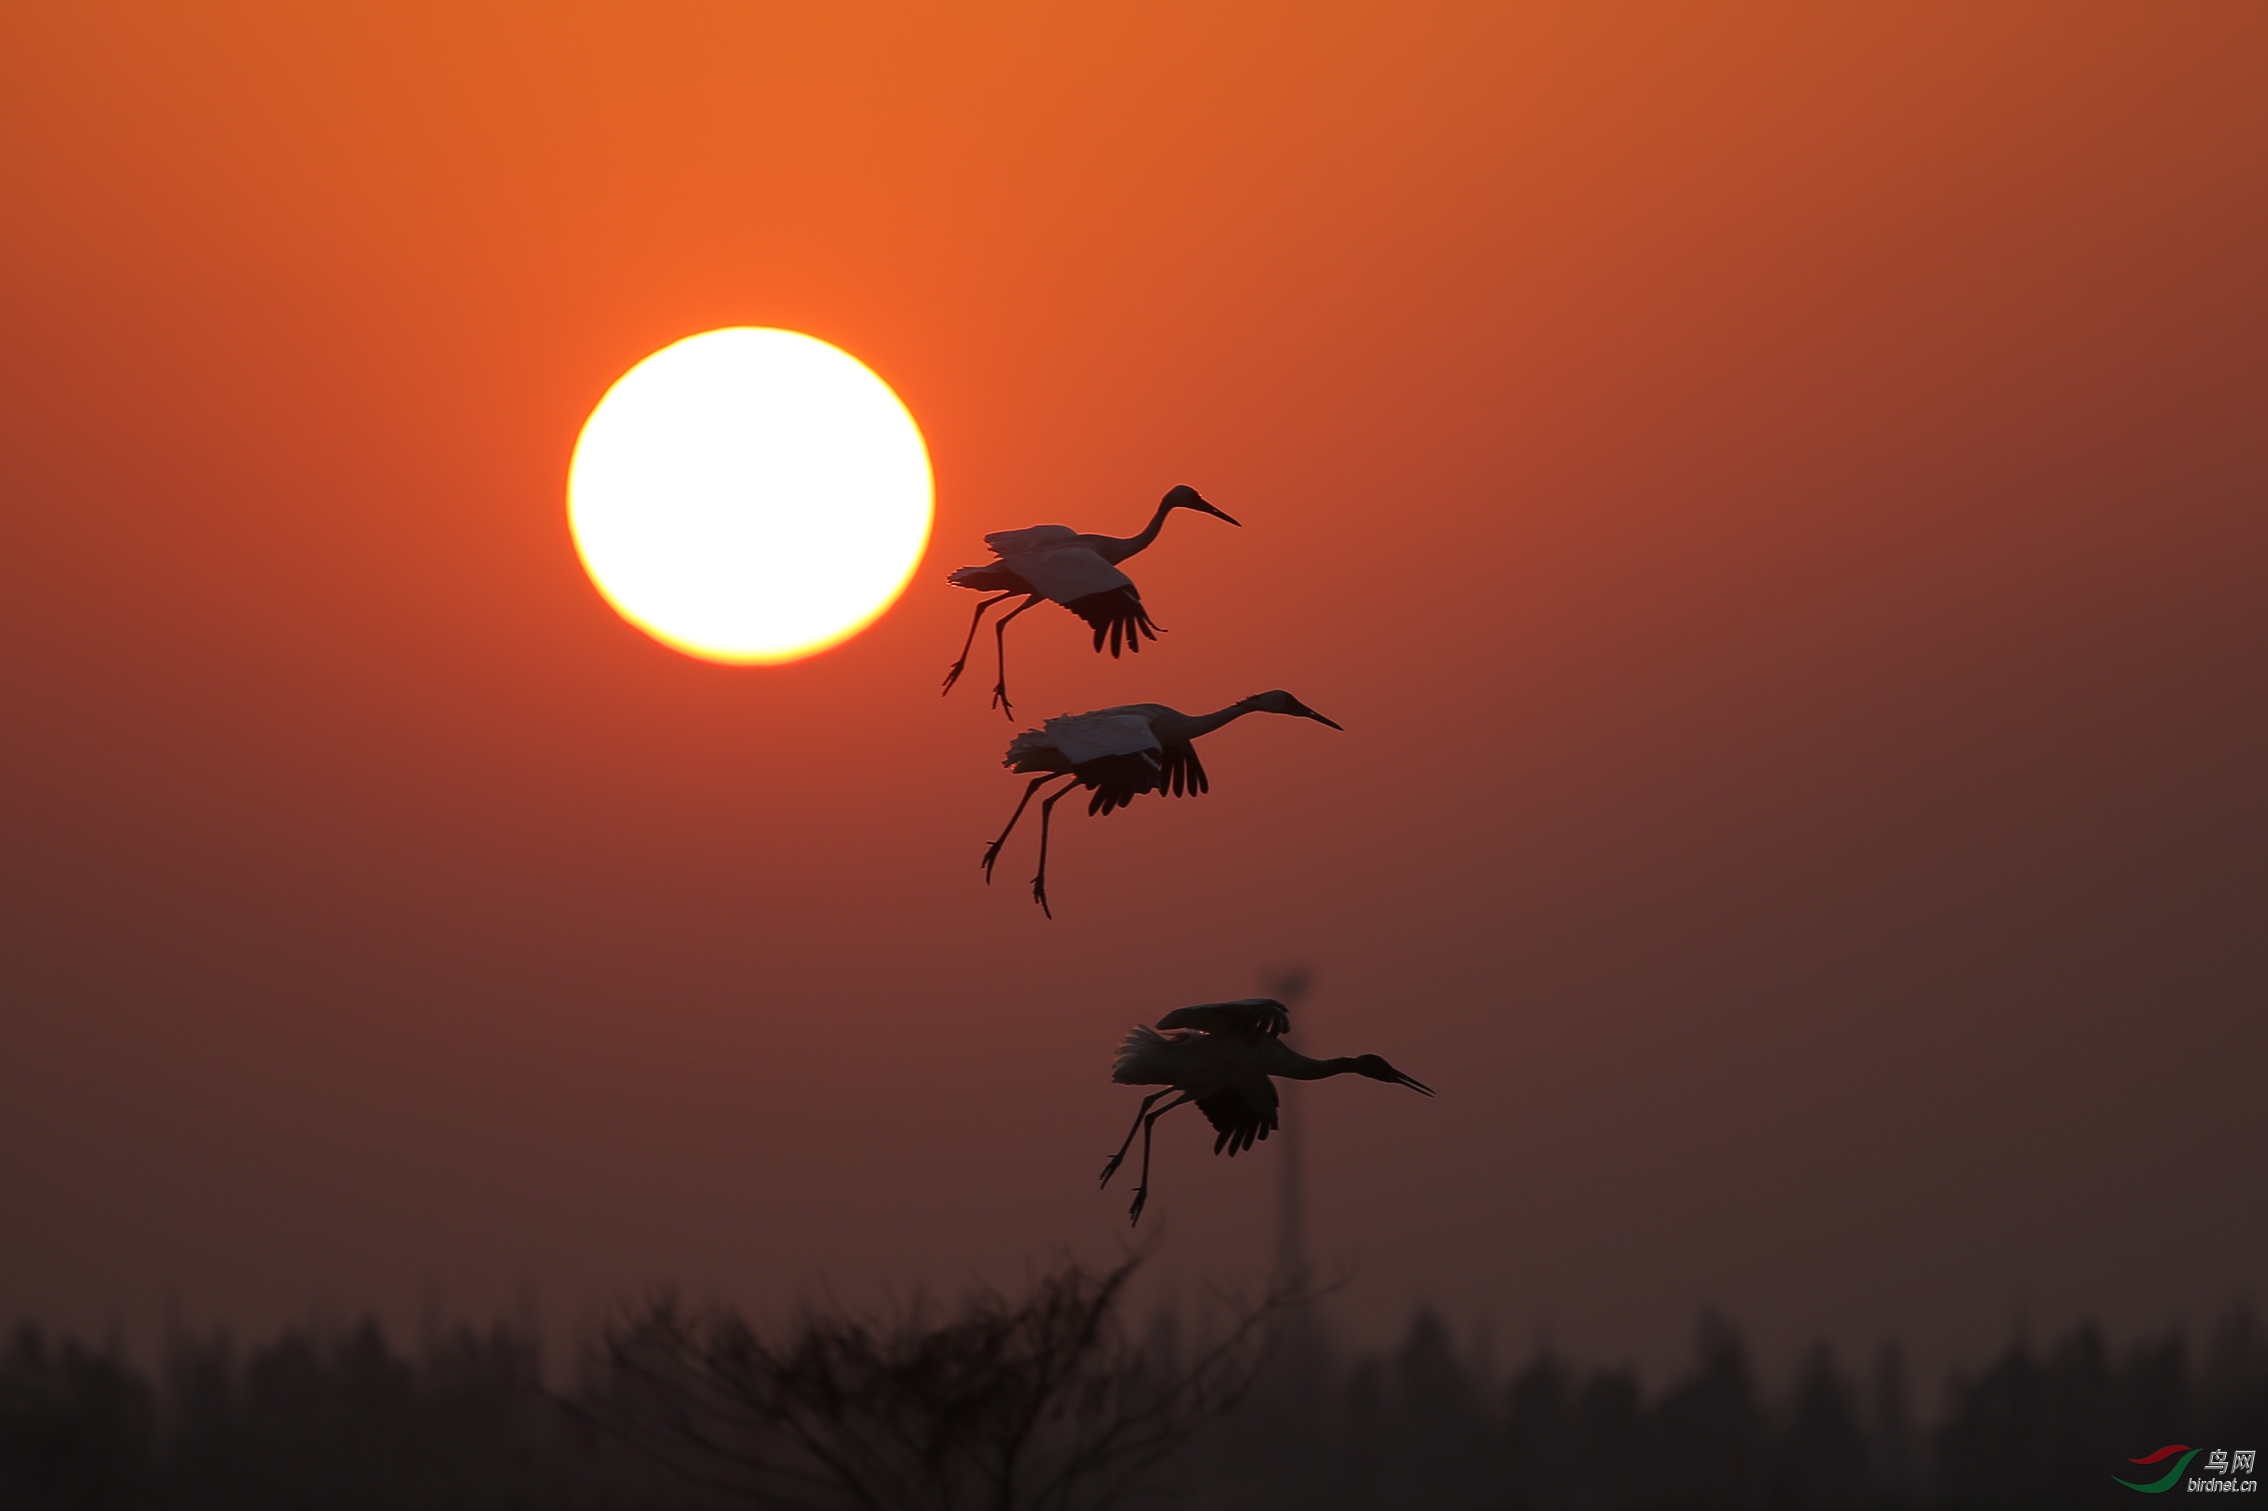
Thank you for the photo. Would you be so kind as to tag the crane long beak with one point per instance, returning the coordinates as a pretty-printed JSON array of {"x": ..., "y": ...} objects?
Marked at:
[
  {"x": 1318, "y": 718},
  {"x": 1222, "y": 514},
  {"x": 1413, "y": 1083}
]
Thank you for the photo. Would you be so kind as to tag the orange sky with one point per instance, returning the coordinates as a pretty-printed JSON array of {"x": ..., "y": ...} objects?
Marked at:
[{"x": 1774, "y": 493}]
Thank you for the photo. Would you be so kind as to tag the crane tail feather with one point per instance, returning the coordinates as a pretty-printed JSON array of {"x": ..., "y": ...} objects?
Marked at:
[
  {"x": 1143, "y": 1059},
  {"x": 990, "y": 578}
]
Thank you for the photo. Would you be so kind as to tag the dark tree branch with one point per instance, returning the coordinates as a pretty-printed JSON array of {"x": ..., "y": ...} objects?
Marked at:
[{"x": 1032, "y": 1403}]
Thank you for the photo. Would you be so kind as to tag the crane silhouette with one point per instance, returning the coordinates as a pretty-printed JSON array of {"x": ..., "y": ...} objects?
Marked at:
[
  {"x": 1121, "y": 753},
  {"x": 1221, "y": 1055},
  {"x": 1057, "y": 564}
]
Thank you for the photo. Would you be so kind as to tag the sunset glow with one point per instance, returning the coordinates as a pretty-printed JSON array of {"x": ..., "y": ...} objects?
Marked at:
[
  {"x": 750, "y": 495},
  {"x": 543, "y": 546}
]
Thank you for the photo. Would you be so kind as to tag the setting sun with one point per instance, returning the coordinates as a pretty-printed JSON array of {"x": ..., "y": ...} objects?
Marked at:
[{"x": 750, "y": 495}]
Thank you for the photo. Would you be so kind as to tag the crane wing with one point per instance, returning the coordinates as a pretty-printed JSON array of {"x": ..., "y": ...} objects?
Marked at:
[
  {"x": 1182, "y": 770},
  {"x": 1090, "y": 737},
  {"x": 1240, "y": 1114},
  {"x": 1068, "y": 572},
  {"x": 1252, "y": 1018},
  {"x": 1035, "y": 538}
]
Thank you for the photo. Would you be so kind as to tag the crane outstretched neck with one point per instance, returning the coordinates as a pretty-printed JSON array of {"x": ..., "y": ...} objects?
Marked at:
[
  {"x": 1187, "y": 727},
  {"x": 1294, "y": 1066},
  {"x": 1115, "y": 549},
  {"x": 1205, "y": 724}
]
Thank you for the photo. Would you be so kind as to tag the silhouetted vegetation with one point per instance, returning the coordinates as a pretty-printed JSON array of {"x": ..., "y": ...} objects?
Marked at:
[
  {"x": 1001, "y": 1400},
  {"x": 1034, "y": 1404},
  {"x": 315, "y": 1418}
]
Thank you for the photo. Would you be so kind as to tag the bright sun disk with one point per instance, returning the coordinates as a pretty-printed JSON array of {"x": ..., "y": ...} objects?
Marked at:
[{"x": 750, "y": 495}]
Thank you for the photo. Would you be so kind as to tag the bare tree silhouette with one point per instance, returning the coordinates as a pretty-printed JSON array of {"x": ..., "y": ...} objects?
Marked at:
[{"x": 1033, "y": 1403}]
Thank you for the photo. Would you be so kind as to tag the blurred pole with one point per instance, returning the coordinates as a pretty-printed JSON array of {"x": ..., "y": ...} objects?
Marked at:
[
  {"x": 1290, "y": 987},
  {"x": 1297, "y": 1345},
  {"x": 1293, "y": 1415}
]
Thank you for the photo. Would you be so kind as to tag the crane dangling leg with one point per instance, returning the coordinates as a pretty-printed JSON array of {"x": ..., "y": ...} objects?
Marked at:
[
  {"x": 1000, "y": 644},
  {"x": 992, "y": 851},
  {"x": 954, "y": 675},
  {"x": 1047, "y": 813},
  {"x": 1110, "y": 1168},
  {"x": 1142, "y": 1190}
]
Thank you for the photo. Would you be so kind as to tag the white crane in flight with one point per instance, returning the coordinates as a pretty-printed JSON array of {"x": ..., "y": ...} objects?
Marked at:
[
  {"x": 1222, "y": 1055},
  {"x": 1058, "y": 564},
  {"x": 1121, "y": 753}
]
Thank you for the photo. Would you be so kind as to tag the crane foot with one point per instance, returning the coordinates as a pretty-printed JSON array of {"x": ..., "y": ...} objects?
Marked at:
[
  {"x": 1039, "y": 895},
  {"x": 954, "y": 675},
  {"x": 991, "y": 854},
  {"x": 1111, "y": 1169},
  {"x": 1134, "y": 1213},
  {"x": 1000, "y": 701}
]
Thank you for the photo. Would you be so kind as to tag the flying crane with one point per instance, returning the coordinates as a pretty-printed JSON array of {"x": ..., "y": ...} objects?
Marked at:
[
  {"x": 1121, "y": 753},
  {"x": 1057, "y": 564},
  {"x": 1222, "y": 1056}
]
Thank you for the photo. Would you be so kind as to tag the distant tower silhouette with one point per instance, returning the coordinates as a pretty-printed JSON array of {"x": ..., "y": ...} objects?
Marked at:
[
  {"x": 1293, "y": 1271},
  {"x": 1300, "y": 1346}
]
